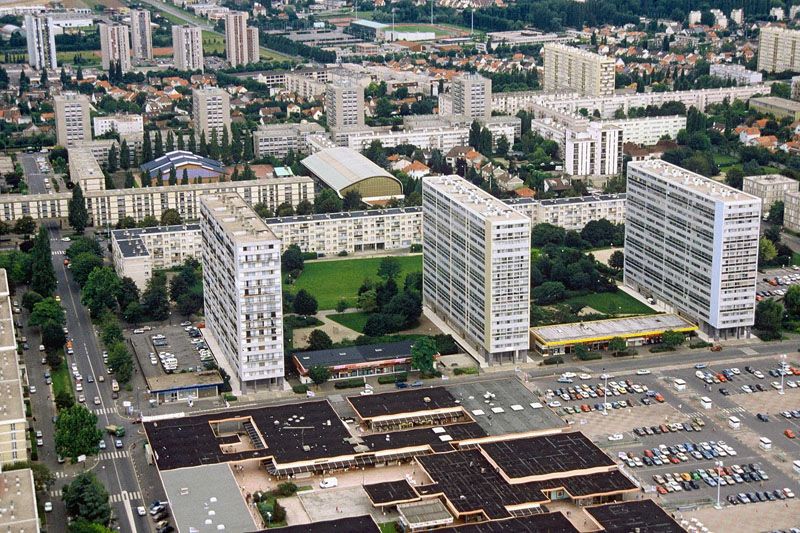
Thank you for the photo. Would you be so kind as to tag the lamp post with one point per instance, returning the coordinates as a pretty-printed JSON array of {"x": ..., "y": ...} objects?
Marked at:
[
  {"x": 783, "y": 371},
  {"x": 718, "y": 464}
]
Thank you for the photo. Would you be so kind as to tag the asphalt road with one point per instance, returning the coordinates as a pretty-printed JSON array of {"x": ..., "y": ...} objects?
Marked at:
[
  {"x": 113, "y": 467},
  {"x": 33, "y": 176}
]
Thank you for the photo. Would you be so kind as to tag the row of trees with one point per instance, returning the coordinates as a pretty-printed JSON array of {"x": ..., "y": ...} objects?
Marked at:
[
  {"x": 595, "y": 234},
  {"x": 391, "y": 309}
]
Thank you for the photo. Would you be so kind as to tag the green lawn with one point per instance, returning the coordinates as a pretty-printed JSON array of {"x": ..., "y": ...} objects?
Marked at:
[
  {"x": 796, "y": 258},
  {"x": 61, "y": 380},
  {"x": 723, "y": 160},
  {"x": 355, "y": 321},
  {"x": 331, "y": 281},
  {"x": 212, "y": 42},
  {"x": 89, "y": 57},
  {"x": 613, "y": 303},
  {"x": 441, "y": 30},
  {"x": 387, "y": 527}
]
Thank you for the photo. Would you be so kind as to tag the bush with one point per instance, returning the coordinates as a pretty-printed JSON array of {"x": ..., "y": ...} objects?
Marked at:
[
  {"x": 300, "y": 389},
  {"x": 353, "y": 383},
  {"x": 309, "y": 255},
  {"x": 699, "y": 344},
  {"x": 591, "y": 356},
  {"x": 343, "y": 253},
  {"x": 445, "y": 344},
  {"x": 297, "y": 321},
  {"x": 285, "y": 489},
  {"x": 384, "y": 380},
  {"x": 466, "y": 371},
  {"x": 554, "y": 360},
  {"x": 229, "y": 397},
  {"x": 661, "y": 349},
  {"x": 416, "y": 248}
]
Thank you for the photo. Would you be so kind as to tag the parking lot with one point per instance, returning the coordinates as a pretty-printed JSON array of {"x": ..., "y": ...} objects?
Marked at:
[
  {"x": 774, "y": 283},
  {"x": 170, "y": 349}
]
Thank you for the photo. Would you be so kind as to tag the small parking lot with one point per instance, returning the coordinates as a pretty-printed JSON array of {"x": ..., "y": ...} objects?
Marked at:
[
  {"x": 774, "y": 283},
  {"x": 170, "y": 349}
]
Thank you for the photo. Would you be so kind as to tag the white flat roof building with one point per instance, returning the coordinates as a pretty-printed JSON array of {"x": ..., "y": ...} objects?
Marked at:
[
  {"x": 122, "y": 124},
  {"x": 242, "y": 288},
  {"x": 476, "y": 268},
  {"x": 770, "y": 188},
  {"x": 737, "y": 73},
  {"x": 692, "y": 243},
  {"x": 85, "y": 171}
]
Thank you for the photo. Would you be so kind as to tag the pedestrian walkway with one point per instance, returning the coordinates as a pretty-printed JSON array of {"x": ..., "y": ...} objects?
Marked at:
[
  {"x": 55, "y": 493},
  {"x": 125, "y": 496},
  {"x": 107, "y": 456},
  {"x": 61, "y": 475},
  {"x": 58, "y": 252},
  {"x": 725, "y": 410},
  {"x": 105, "y": 411}
]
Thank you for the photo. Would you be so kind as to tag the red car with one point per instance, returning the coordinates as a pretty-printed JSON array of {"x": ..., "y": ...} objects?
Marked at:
[
  {"x": 789, "y": 433},
  {"x": 659, "y": 398},
  {"x": 661, "y": 490}
]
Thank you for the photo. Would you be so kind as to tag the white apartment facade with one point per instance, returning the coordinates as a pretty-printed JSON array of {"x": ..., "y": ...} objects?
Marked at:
[
  {"x": 187, "y": 48},
  {"x": 476, "y": 268},
  {"x": 13, "y": 424},
  {"x": 278, "y": 139},
  {"x": 137, "y": 252},
  {"x": 211, "y": 112},
  {"x": 141, "y": 34},
  {"x": 241, "y": 41},
  {"x": 115, "y": 46},
  {"x": 594, "y": 150},
  {"x": 778, "y": 50},
  {"x": 567, "y": 68},
  {"x": 344, "y": 104},
  {"x": 737, "y": 73},
  {"x": 241, "y": 260},
  {"x": 40, "y": 35},
  {"x": 791, "y": 210},
  {"x": 770, "y": 188},
  {"x": 72, "y": 118},
  {"x": 472, "y": 96},
  {"x": 692, "y": 243},
  {"x": 121, "y": 124},
  {"x": 647, "y": 131},
  {"x": 351, "y": 231},
  {"x": 572, "y": 213}
]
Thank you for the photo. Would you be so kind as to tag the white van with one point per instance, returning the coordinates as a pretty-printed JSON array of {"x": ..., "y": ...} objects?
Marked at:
[
  {"x": 796, "y": 466},
  {"x": 705, "y": 402},
  {"x": 764, "y": 443},
  {"x": 734, "y": 422},
  {"x": 679, "y": 384}
]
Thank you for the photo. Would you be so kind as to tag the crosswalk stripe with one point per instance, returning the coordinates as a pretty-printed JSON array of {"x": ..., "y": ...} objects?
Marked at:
[
  {"x": 125, "y": 496},
  {"x": 113, "y": 455},
  {"x": 58, "y": 252},
  {"x": 55, "y": 493},
  {"x": 105, "y": 411}
]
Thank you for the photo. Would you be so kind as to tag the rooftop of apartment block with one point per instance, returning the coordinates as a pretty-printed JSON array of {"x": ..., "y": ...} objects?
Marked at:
[
  {"x": 237, "y": 218},
  {"x": 692, "y": 181}
]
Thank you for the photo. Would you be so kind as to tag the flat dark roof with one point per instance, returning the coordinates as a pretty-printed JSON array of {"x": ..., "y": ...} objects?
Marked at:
[
  {"x": 355, "y": 354},
  {"x": 547, "y": 454},
  {"x": 190, "y": 441},
  {"x": 644, "y": 516},
  {"x": 391, "y": 492},
  {"x": 538, "y": 523},
  {"x": 353, "y": 524},
  {"x": 396, "y": 403},
  {"x": 427, "y": 435}
]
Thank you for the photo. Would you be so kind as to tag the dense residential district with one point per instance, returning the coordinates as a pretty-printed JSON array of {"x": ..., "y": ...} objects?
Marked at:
[{"x": 463, "y": 266}]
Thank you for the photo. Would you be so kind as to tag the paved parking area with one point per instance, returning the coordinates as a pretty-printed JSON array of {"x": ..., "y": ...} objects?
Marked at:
[
  {"x": 177, "y": 343},
  {"x": 785, "y": 277}
]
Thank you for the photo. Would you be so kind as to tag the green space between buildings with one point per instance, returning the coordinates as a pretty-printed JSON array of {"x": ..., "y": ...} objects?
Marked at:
[
  {"x": 355, "y": 321},
  {"x": 612, "y": 303}
]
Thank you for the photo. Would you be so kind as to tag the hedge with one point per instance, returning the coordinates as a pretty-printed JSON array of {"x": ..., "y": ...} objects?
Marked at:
[
  {"x": 465, "y": 371},
  {"x": 699, "y": 344},
  {"x": 554, "y": 360},
  {"x": 349, "y": 383},
  {"x": 393, "y": 378},
  {"x": 300, "y": 389}
]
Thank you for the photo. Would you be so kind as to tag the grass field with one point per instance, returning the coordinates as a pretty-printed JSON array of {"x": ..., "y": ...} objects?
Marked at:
[
  {"x": 90, "y": 57},
  {"x": 355, "y": 321},
  {"x": 61, "y": 380},
  {"x": 723, "y": 160},
  {"x": 738, "y": 166},
  {"x": 213, "y": 43},
  {"x": 613, "y": 303},
  {"x": 331, "y": 281},
  {"x": 441, "y": 30}
]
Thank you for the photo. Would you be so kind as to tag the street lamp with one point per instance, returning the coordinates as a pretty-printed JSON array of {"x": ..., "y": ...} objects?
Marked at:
[
  {"x": 783, "y": 371},
  {"x": 718, "y": 464},
  {"x": 605, "y": 393},
  {"x": 269, "y": 519}
]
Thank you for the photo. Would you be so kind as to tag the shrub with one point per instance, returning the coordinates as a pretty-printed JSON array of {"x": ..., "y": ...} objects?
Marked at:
[
  {"x": 229, "y": 397},
  {"x": 416, "y": 248},
  {"x": 285, "y": 489},
  {"x": 343, "y": 253},
  {"x": 699, "y": 344},
  {"x": 470, "y": 370},
  {"x": 661, "y": 349},
  {"x": 591, "y": 356},
  {"x": 554, "y": 360},
  {"x": 300, "y": 389},
  {"x": 383, "y": 380},
  {"x": 349, "y": 383}
]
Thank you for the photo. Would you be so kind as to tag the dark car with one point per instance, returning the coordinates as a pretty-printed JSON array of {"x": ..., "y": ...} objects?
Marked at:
[
  {"x": 694, "y": 484},
  {"x": 401, "y": 384},
  {"x": 760, "y": 387},
  {"x": 732, "y": 500},
  {"x": 762, "y": 417},
  {"x": 724, "y": 392}
]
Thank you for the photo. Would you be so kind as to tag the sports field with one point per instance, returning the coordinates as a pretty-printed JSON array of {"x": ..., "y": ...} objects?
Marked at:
[
  {"x": 334, "y": 280},
  {"x": 441, "y": 30}
]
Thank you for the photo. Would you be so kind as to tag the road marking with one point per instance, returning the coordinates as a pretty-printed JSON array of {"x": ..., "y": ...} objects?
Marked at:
[
  {"x": 105, "y": 411},
  {"x": 58, "y": 252},
  {"x": 748, "y": 351},
  {"x": 55, "y": 493},
  {"x": 107, "y": 456},
  {"x": 62, "y": 475},
  {"x": 125, "y": 496}
]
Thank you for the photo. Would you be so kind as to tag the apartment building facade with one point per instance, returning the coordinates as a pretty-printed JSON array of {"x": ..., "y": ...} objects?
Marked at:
[
  {"x": 241, "y": 260},
  {"x": 137, "y": 252},
  {"x": 737, "y": 73},
  {"x": 476, "y": 268},
  {"x": 115, "y": 46},
  {"x": 121, "y": 124},
  {"x": 472, "y": 96},
  {"x": 278, "y": 139},
  {"x": 567, "y": 68},
  {"x": 14, "y": 440},
  {"x": 241, "y": 41},
  {"x": 40, "y": 35},
  {"x": 573, "y": 213},
  {"x": 141, "y": 34},
  {"x": 692, "y": 243},
  {"x": 593, "y": 150},
  {"x": 187, "y": 48},
  {"x": 211, "y": 112},
  {"x": 791, "y": 210},
  {"x": 770, "y": 188},
  {"x": 344, "y": 104},
  {"x": 778, "y": 50},
  {"x": 73, "y": 125},
  {"x": 647, "y": 131}
]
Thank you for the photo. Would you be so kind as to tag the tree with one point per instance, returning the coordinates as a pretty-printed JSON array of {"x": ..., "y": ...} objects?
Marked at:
[
  {"x": 352, "y": 201},
  {"x": 64, "y": 399},
  {"x": 319, "y": 374},
  {"x": 173, "y": 176},
  {"x": 548, "y": 292},
  {"x": 769, "y": 319},
  {"x": 319, "y": 340},
  {"x": 475, "y": 134},
  {"x": 379, "y": 324},
  {"x": 327, "y": 202},
  {"x": 190, "y": 303},
  {"x": 284, "y": 210},
  {"x": 304, "y": 207},
  {"x": 43, "y": 276},
  {"x": 158, "y": 149},
  {"x": 128, "y": 292},
  {"x": 170, "y": 141},
  {"x": 78, "y": 216},
  {"x": 147, "y": 148},
  {"x": 25, "y": 225},
  {"x": 85, "y": 497},
  {"x": 171, "y": 217},
  {"x": 792, "y": 301},
  {"x": 406, "y": 304},
  {"x": 389, "y": 268},
  {"x": 111, "y": 165},
  {"x": 423, "y": 354},
  {"x": 124, "y": 155},
  {"x": 672, "y": 339},
  {"x": 31, "y": 298},
  {"x": 185, "y": 177},
  {"x": 84, "y": 526},
  {"x": 100, "y": 291},
  {"x": 775, "y": 215},
  {"x": 84, "y": 245},
  {"x": 304, "y": 303},
  {"x": 120, "y": 359},
  {"x": 47, "y": 310},
  {"x": 155, "y": 301},
  {"x": 766, "y": 251},
  {"x": 133, "y": 312},
  {"x": 502, "y": 146},
  {"x": 617, "y": 345},
  {"x": 292, "y": 259},
  {"x": 263, "y": 210},
  {"x": 617, "y": 260},
  {"x": 341, "y": 306},
  {"x": 53, "y": 336},
  {"x": 545, "y": 233},
  {"x": 83, "y": 265},
  {"x": 76, "y": 432},
  {"x": 368, "y": 301}
]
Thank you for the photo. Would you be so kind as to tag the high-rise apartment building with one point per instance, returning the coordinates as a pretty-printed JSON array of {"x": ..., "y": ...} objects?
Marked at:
[
  {"x": 141, "y": 34},
  {"x": 344, "y": 104},
  {"x": 114, "y": 46},
  {"x": 472, "y": 96},
  {"x": 241, "y": 41},
  {"x": 476, "y": 267},
  {"x": 779, "y": 50},
  {"x": 567, "y": 68},
  {"x": 692, "y": 243},
  {"x": 41, "y": 38},
  {"x": 770, "y": 188},
  {"x": 241, "y": 260},
  {"x": 73, "y": 124},
  {"x": 211, "y": 111},
  {"x": 187, "y": 47}
]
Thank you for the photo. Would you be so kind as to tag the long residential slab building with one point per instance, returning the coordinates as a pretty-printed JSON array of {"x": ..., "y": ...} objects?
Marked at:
[{"x": 692, "y": 244}]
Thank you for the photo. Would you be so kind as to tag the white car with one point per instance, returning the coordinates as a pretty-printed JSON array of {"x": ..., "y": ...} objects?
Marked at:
[
  {"x": 79, "y": 387},
  {"x": 758, "y": 374},
  {"x": 554, "y": 403},
  {"x": 97, "y": 400},
  {"x": 82, "y": 398},
  {"x": 616, "y": 436},
  {"x": 788, "y": 492},
  {"x": 101, "y": 445},
  {"x": 585, "y": 376},
  {"x": 606, "y": 376},
  {"x": 736, "y": 371},
  {"x": 65, "y": 239},
  {"x": 33, "y": 389},
  {"x": 642, "y": 372},
  {"x": 330, "y": 482},
  {"x": 366, "y": 392},
  {"x": 569, "y": 374},
  {"x": 141, "y": 511},
  {"x": 48, "y": 507}
]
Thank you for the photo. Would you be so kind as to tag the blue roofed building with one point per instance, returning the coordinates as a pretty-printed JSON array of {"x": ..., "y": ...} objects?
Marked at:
[{"x": 198, "y": 169}]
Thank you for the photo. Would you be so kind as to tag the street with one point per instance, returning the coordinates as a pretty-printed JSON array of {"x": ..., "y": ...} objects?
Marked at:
[{"x": 34, "y": 177}]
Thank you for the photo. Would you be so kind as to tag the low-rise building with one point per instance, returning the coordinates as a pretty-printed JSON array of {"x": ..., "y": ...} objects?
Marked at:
[
  {"x": 84, "y": 170},
  {"x": 356, "y": 361},
  {"x": 278, "y": 139},
  {"x": 572, "y": 213},
  {"x": 345, "y": 170},
  {"x": 351, "y": 231},
  {"x": 648, "y": 131},
  {"x": 778, "y": 107},
  {"x": 195, "y": 168},
  {"x": 137, "y": 252},
  {"x": 737, "y": 73},
  {"x": 121, "y": 124},
  {"x": 791, "y": 210},
  {"x": 770, "y": 188}
]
